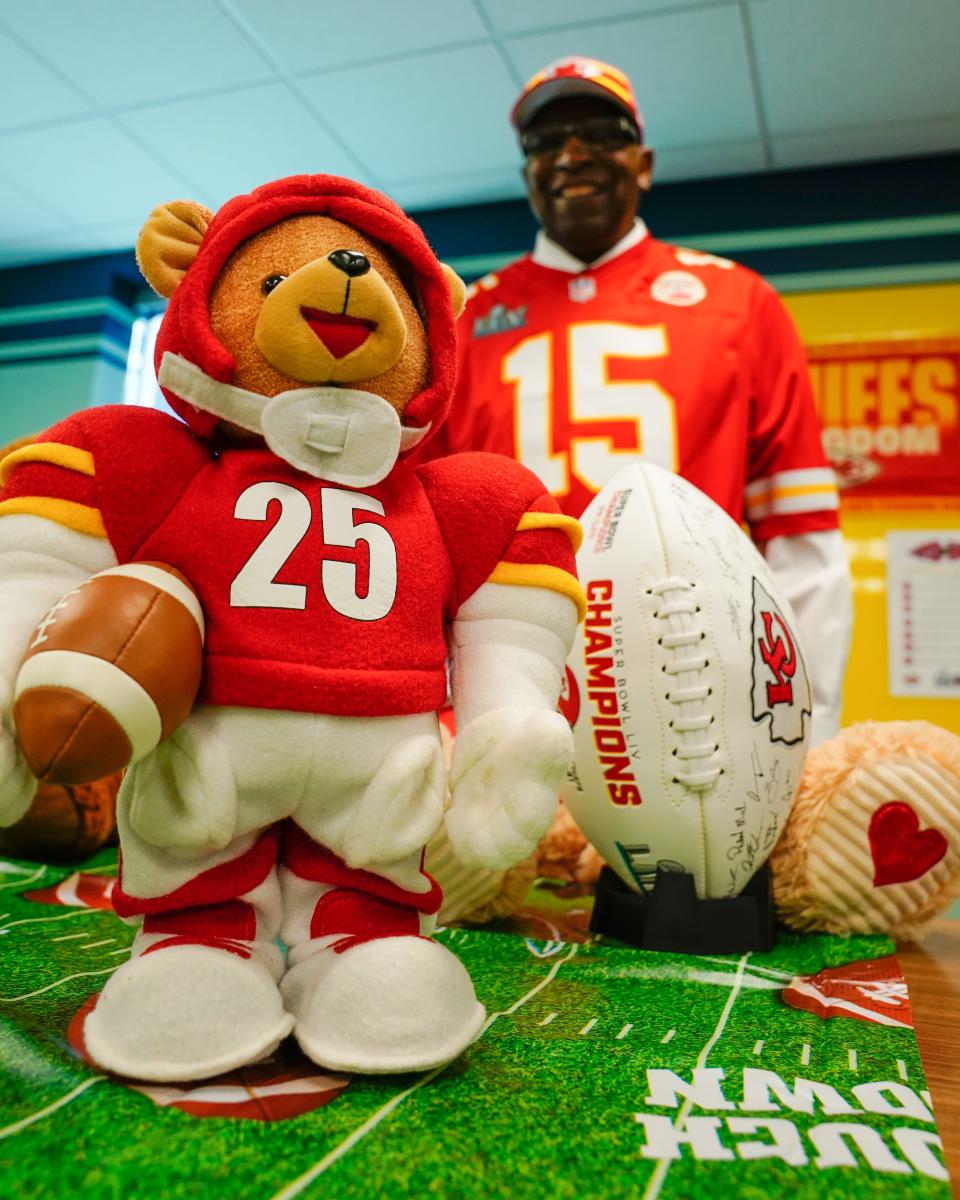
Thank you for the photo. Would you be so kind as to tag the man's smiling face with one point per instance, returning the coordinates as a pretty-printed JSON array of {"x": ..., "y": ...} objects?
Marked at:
[{"x": 585, "y": 174}]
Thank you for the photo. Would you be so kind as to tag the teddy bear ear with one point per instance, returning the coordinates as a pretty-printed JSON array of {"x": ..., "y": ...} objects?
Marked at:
[
  {"x": 458, "y": 289},
  {"x": 169, "y": 241}
]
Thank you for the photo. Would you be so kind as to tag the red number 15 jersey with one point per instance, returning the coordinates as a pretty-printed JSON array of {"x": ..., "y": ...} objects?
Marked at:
[{"x": 685, "y": 359}]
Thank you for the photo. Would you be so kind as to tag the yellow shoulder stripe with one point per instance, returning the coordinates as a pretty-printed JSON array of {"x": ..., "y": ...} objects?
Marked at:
[
  {"x": 531, "y": 575},
  {"x": 56, "y": 453},
  {"x": 80, "y": 517},
  {"x": 545, "y": 520}
]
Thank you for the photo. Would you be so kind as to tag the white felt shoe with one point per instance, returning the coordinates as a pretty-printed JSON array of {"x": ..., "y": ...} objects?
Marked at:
[
  {"x": 394, "y": 1004},
  {"x": 186, "y": 1012}
]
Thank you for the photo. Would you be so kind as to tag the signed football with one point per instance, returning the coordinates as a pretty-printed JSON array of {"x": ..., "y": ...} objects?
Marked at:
[
  {"x": 686, "y": 690},
  {"x": 112, "y": 669}
]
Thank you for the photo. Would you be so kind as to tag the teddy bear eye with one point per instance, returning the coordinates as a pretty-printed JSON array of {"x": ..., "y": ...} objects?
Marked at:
[{"x": 270, "y": 283}]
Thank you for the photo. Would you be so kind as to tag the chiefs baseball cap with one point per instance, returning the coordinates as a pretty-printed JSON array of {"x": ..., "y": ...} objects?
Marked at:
[{"x": 576, "y": 77}]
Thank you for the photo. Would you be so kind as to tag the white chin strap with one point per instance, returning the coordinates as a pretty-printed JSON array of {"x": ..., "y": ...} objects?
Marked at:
[{"x": 334, "y": 433}]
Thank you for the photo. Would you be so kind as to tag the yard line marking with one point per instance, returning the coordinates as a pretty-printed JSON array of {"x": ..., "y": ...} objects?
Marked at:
[
  {"x": 10, "y": 869},
  {"x": 4, "y": 917},
  {"x": 624, "y": 1031},
  {"x": 298, "y": 1185},
  {"x": 805, "y": 1055},
  {"x": 902, "y": 1068},
  {"x": 69, "y": 937},
  {"x": 668, "y": 1037},
  {"x": 94, "y": 945},
  {"x": 660, "y": 1173},
  {"x": 589, "y": 1025},
  {"x": 758, "y": 1048},
  {"x": 771, "y": 972},
  {"x": 75, "y": 912},
  {"x": 314, "y": 1172},
  {"x": 10, "y": 1130},
  {"x": 852, "y": 1060},
  {"x": 122, "y": 950},
  {"x": 550, "y": 947},
  {"x": 548, "y": 1018},
  {"x": 548, "y": 978},
  {"x": 56, "y": 983}
]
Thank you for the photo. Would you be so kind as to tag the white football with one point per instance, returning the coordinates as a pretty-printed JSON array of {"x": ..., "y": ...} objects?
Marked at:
[{"x": 687, "y": 690}]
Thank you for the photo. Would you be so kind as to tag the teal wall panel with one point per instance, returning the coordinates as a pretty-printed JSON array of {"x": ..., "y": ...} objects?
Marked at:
[{"x": 34, "y": 395}]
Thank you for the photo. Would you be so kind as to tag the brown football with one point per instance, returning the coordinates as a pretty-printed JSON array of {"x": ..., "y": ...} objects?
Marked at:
[
  {"x": 110, "y": 671},
  {"x": 65, "y": 823}
]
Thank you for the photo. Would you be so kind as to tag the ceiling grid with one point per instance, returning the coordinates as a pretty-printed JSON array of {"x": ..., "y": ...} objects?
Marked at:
[{"x": 111, "y": 107}]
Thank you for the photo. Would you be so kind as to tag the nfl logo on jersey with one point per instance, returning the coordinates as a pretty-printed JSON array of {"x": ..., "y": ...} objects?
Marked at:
[{"x": 582, "y": 288}]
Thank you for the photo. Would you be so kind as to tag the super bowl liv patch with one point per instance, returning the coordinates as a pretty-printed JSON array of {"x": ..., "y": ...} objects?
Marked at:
[{"x": 500, "y": 319}]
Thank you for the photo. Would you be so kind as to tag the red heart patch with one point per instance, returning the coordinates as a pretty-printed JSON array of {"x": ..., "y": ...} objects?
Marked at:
[{"x": 901, "y": 849}]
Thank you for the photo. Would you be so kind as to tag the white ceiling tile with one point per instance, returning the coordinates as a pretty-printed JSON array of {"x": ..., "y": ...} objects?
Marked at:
[
  {"x": 689, "y": 70},
  {"x": 826, "y": 65},
  {"x": 306, "y": 37},
  {"x": 467, "y": 189},
  {"x": 229, "y": 143},
  {"x": 126, "y": 53},
  {"x": 861, "y": 145},
  {"x": 29, "y": 92},
  {"x": 119, "y": 235},
  {"x": 25, "y": 214},
  {"x": 88, "y": 170},
  {"x": 703, "y": 162},
  {"x": 426, "y": 114},
  {"x": 521, "y": 16}
]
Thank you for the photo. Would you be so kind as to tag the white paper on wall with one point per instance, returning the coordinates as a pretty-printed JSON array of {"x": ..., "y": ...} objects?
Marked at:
[{"x": 923, "y": 612}]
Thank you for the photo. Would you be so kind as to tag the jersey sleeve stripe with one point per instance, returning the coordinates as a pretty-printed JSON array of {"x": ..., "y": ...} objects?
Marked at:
[
  {"x": 809, "y": 477},
  {"x": 825, "y": 501},
  {"x": 810, "y": 490},
  {"x": 792, "y": 500},
  {"x": 555, "y": 579},
  {"x": 548, "y": 520},
  {"x": 60, "y": 455},
  {"x": 81, "y": 517}
]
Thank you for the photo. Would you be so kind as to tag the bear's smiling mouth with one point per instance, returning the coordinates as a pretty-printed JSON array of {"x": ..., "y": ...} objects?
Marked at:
[{"x": 339, "y": 333}]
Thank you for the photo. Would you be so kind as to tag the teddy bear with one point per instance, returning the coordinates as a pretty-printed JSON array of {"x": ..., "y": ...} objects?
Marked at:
[
  {"x": 272, "y": 846},
  {"x": 872, "y": 844}
]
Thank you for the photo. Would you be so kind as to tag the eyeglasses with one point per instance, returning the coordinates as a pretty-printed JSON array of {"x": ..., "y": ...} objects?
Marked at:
[{"x": 597, "y": 133}]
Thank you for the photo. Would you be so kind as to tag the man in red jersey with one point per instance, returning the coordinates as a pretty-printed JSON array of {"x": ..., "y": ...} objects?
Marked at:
[{"x": 605, "y": 344}]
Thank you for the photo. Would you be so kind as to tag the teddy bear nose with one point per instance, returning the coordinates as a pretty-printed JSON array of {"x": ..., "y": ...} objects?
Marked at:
[{"x": 350, "y": 262}]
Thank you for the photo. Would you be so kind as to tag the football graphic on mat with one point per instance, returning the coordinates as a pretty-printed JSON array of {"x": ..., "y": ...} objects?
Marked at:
[
  {"x": 110, "y": 671},
  {"x": 687, "y": 690}
]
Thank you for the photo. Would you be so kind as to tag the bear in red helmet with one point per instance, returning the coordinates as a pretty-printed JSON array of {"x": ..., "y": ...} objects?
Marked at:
[{"x": 272, "y": 845}]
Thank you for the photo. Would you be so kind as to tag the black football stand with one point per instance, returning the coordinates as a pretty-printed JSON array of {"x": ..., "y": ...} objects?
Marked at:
[{"x": 671, "y": 917}]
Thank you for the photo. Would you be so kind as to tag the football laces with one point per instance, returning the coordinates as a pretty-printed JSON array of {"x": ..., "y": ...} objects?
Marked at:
[{"x": 690, "y": 692}]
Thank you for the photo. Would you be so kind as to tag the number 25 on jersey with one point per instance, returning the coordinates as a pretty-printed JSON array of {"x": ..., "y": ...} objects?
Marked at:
[{"x": 341, "y": 514}]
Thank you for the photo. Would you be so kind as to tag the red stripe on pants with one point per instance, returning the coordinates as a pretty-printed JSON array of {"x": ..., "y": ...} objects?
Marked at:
[
  {"x": 214, "y": 886},
  {"x": 309, "y": 860}
]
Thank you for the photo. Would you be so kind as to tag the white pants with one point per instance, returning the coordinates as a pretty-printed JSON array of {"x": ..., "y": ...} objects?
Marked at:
[{"x": 244, "y": 818}]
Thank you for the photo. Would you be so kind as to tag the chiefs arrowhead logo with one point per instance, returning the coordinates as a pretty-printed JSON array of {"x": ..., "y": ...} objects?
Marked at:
[
  {"x": 781, "y": 688},
  {"x": 873, "y": 990}
]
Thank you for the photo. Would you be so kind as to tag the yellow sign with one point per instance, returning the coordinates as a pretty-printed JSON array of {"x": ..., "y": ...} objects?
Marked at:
[{"x": 886, "y": 367}]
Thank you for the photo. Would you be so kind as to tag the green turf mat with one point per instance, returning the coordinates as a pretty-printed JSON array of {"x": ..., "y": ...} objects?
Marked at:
[{"x": 602, "y": 1072}]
